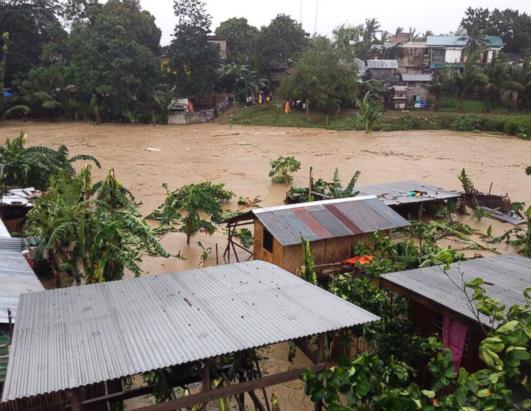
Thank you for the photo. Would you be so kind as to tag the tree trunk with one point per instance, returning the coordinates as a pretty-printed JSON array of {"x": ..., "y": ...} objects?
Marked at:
[{"x": 461, "y": 102}]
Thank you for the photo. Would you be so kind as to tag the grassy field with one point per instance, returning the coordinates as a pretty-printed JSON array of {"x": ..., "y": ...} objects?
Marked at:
[{"x": 497, "y": 122}]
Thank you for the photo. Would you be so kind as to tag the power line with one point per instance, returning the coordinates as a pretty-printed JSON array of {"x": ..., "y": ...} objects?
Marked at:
[{"x": 316, "y": 16}]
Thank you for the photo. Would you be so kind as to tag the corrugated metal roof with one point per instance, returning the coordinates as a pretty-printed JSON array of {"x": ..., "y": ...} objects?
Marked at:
[
  {"x": 382, "y": 64},
  {"x": 420, "y": 77},
  {"x": 16, "y": 277},
  {"x": 19, "y": 197},
  {"x": 506, "y": 279},
  {"x": 67, "y": 338},
  {"x": 4, "y": 233},
  {"x": 407, "y": 192},
  {"x": 321, "y": 220},
  {"x": 460, "y": 41}
]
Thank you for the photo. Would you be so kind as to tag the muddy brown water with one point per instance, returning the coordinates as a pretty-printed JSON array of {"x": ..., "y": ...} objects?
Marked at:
[{"x": 144, "y": 157}]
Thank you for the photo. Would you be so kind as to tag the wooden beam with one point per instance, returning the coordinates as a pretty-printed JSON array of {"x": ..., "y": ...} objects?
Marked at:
[
  {"x": 75, "y": 401},
  {"x": 232, "y": 390}
]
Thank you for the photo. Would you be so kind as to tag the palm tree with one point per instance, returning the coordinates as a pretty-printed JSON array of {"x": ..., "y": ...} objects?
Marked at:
[
  {"x": 476, "y": 39},
  {"x": 22, "y": 166},
  {"x": 467, "y": 77},
  {"x": 439, "y": 84},
  {"x": 519, "y": 85},
  {"x": 496, "y": 73},
  {"x": 371, "y": 27}
]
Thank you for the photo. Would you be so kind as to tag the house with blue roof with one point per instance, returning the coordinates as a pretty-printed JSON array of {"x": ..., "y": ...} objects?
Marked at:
[{"x": 449, "y": 50}]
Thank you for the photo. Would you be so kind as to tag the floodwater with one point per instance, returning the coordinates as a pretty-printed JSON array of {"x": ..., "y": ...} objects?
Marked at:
[{"x": 144, "y": 157}]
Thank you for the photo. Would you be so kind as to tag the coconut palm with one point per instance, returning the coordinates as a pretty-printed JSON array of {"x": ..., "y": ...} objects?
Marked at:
[
  {"x": 497, "y": 74},
  {"x": 466, "y": 78},
  {"x": 437, "y": 87},
  {"x": 519, "y": 83}
]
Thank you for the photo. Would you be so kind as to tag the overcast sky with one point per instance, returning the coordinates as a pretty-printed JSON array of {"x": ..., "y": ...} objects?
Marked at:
[{"x": 438, "y": 16}]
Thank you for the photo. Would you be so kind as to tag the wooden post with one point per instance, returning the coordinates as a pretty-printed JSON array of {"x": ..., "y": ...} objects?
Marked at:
[
  {"x": 75, "y": 401},
  {"x": 217, "y": 254},
  {"x": 205, "y": 377}
]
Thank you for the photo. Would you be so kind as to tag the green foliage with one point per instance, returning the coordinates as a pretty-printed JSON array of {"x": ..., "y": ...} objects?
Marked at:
[
  {"x": 519, "y": 237},
  {"x": 192, "y": 208},
  {"x": 281, "y": 169},
  {"x": 418, "y": 249},
  {"x": 244, "y": 236},
  {"x": 241, "y": 40},
  {"x": 22, "y": 166},
  {"x": 92, "y": 232},
  {"x": 372, "y": 381},
  {"x": 281, "y": 42},
  {"x": 463, "y": 80},
  {"x": 466, "y": 123},
  {"x": 394, "y": 336},
  {"x": 335, "y": 189},
  {"x": 466, "y": 182},
  {"x": 110, "y": 64},
  {"x": 308, "y": 268},
  {"x": 194, "y": 61},
  {"x": 322, "y": 78},
  {"x": 241, "y": 81},
  {"x": 368, "y": 113}
]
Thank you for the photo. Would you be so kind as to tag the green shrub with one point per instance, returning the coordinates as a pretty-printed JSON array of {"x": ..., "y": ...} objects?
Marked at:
[{"x": 467, "y": 123}]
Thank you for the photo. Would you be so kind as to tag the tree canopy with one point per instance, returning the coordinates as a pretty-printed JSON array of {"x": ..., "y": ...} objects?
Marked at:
[
  {"x": 322, "y": 77},
  {"x": 241, "y": 40}
]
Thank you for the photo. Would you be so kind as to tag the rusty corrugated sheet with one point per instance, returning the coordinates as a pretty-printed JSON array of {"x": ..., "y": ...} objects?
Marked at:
[
  {"x": 73, "y": 337},
  {"x": 320, "y": 220}
]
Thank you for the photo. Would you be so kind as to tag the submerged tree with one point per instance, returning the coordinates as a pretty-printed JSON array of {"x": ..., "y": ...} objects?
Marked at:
[
  {"x": 192, "y": 208},
  {"x": 92, "y": 232},
  {"x": 368, "y": 112},
  {"x": 281, "y": 169}
]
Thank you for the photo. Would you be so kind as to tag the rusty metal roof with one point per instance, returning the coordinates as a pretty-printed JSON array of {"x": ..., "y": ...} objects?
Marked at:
[
  {"x": 506, "y": 277},
  {"x": 407, "y": 192},
  {"x": 321, "y": 220},
  {"x": 72, "y": 337}
]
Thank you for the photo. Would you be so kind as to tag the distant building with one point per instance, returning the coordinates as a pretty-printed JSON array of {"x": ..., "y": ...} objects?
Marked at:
[
  {"x": 449, "y": 50},
  {"x": 221, "y": 43},
  {"x": 417, "y": 86},
  {"x": 414, "y": 57},
  {"x": 400, "y": 38},
  {"x": 383, "y": 70},
  {"x": 361, "y": 68}
]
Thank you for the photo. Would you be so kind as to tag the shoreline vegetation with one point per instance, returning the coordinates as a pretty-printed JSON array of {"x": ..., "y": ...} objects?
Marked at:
[{"x": 509, "y": 123}]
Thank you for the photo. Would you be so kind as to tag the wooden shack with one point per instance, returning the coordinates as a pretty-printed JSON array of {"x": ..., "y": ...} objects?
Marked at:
[
  {"x": 437, "y": 303},
  {"x": 332, "y": 227}
]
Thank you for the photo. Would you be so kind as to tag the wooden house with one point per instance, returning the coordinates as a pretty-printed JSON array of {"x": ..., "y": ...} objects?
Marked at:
[
  {"x": 332, "y": 227},
  {"x": 440, "y": 307}
]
